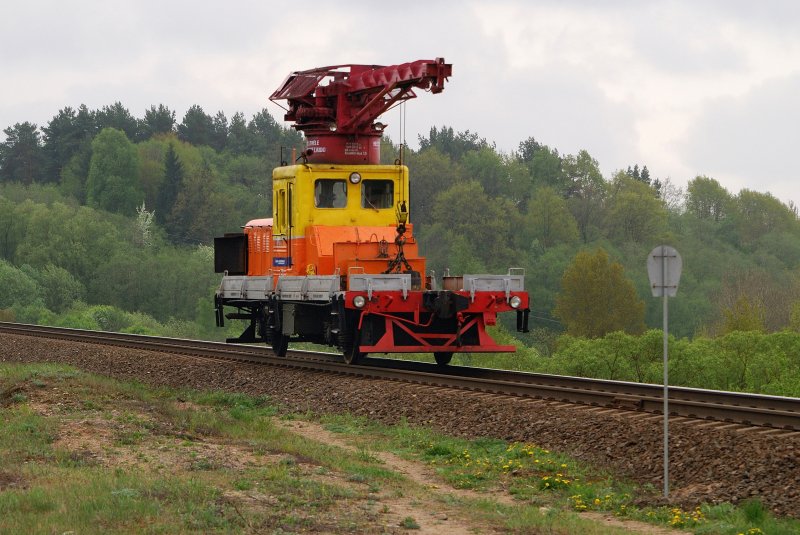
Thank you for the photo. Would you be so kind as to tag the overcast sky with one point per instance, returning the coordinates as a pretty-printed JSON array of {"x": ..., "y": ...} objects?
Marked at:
[{"x": 685, "y": 87}]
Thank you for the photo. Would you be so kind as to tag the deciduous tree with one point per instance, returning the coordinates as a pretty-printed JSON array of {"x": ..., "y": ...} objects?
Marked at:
[
  {"x": 744, "y": 315},
  {"x": 760, "y": 214},
  {"x": 487, "y": 226},
  {"x": 431, "y": 172},
  {"x": 58, "y": 287},
  {"x": 707, "y": 199},
  {"x": 113, "y": 183},
  {"x": 635, "y": 212},
  {"x": 586, "y": 191},
  {"x": 596, "y": 298},
  {"x": 549, "y": 221},
  {"x": 547, "y": 170},
  {"x": 18, "y": 287}
]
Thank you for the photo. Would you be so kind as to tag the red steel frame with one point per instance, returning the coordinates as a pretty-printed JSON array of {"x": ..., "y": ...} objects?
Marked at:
[{"x": 482, "y": 311}]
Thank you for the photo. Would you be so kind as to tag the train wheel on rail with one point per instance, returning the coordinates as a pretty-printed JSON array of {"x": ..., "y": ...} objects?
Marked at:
[
  {"x": 280, "y": 343},
  {"x": 350, "y": 347},
  {"x": 443, "y": 358}
]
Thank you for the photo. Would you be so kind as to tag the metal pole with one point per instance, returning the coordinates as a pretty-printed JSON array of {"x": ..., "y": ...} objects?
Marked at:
[{"x": 666, "y": 373}]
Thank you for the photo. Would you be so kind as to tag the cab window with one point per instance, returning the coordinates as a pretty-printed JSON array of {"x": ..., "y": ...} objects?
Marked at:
[
  {"x": 377, "y": 194},
  {"x": 280, "y": 211},
  {"x": 330, "y": 193}
]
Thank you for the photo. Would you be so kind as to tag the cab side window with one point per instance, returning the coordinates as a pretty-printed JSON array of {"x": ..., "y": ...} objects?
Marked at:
[
  {"x": 377, "y": 194},
  {"x": 330, "y": 193}
]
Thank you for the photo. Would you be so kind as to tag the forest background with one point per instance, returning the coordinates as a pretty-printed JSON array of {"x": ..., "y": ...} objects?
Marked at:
[{"x": 107, "y": 222}]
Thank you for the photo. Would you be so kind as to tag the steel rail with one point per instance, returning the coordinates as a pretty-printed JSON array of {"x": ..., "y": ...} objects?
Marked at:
[
  {"x": 735, "y": 407},
  {"x": 644, "y": 395}
]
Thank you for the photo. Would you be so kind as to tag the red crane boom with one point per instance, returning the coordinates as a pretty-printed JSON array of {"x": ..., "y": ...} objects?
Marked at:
[{"x": 338, "y": 118}]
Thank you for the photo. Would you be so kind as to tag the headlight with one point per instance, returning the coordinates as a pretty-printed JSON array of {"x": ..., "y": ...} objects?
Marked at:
[
  {"x": 515, "y": 301},
  {"x": 355, "y": 178},
  {"x": 359, "y": 301}
]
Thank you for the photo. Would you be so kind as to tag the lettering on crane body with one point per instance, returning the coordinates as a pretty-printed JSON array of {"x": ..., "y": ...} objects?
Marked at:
[{"x": 354, "y": 148}]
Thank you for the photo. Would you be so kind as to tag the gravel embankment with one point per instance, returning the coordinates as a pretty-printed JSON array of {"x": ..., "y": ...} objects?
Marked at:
[{"x": 712, "y": 465}]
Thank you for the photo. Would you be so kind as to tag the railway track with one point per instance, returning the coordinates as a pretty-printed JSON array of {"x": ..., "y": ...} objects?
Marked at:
[{"x": 780, "y": 413}]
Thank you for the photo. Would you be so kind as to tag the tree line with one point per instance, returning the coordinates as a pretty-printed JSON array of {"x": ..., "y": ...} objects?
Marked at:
[
  {"x": 32, "y": 154},
  {"x": 138, "y": 198},
  {"x": 197, "y": 175}
]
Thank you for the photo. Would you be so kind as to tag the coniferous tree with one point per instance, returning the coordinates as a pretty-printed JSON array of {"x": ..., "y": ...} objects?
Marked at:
[
  {"x": 219, "y": 132},
  {"x": 61, "y": 139},
  {"x": 266, "y": 128},
  {"x": 68, "y": 149},
  {"x": 173, "y": 176},
  {"x": 159, "y": 120},
  {"x": 268, "y": 137},
  {"x": 240, "y": 140},
  {"x": 645, "y": 176},
  {"x": 21, "y": 156},
  {"x": 197, "y": 127},
  {"x": 117, "y": 116},
  {"x": 452, "y": 143},
  {"x": 528, "y": 149}
]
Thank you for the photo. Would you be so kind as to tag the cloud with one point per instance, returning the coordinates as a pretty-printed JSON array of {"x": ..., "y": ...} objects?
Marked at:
[
  {"x": 630, "y": 82},
  {"x": 752, "y": 140}
]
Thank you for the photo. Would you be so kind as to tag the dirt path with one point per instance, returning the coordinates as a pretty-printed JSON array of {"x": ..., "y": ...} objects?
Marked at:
[{"x": 433, "y": 518}]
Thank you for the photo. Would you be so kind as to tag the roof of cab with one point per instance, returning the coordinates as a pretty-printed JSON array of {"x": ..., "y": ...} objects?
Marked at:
[{"x": 265, "y": 222}]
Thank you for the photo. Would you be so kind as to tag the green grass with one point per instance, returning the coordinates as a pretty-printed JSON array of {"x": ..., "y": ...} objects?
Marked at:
[
  {"x": 172, "y": 461},
  {"x": 56, "y": 490},
  {"x": 98, "y": 501},
  {"x": 537, "y": 477},
  {"x": 409, "y": 523}
]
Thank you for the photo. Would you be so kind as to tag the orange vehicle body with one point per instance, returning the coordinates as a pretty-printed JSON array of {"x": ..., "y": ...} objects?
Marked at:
[{"x": 325, "y": 250}]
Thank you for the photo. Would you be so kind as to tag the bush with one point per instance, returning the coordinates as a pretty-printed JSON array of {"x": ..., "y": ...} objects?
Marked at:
[
  {"x": 744, "y": 361},
  {"x": 59, "y": 288},
  {"x": 18, "y": 288},
  {"x": 35, "y": 314}
]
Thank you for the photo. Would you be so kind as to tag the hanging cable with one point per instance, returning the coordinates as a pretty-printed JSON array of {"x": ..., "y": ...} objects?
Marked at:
[{"x": 403, "y": 127}]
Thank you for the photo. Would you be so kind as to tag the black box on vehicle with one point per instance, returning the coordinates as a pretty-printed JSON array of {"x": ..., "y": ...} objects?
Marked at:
[{"x": 230, "y": 254}]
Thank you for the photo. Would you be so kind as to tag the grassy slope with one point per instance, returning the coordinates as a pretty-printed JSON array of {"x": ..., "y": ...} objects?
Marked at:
[{"x": 87, "y": 454}]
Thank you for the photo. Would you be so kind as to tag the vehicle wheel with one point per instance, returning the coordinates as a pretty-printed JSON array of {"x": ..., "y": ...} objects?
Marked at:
[
  {"x": 280, "y": 343},
  {"x": 350, "y": 348},
  {"x": 443, "y": 358}
]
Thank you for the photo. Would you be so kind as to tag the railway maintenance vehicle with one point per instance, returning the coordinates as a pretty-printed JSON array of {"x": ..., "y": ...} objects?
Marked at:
[{"x": 337, "y": 263}]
